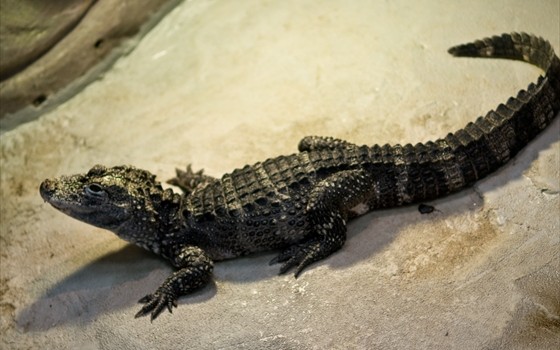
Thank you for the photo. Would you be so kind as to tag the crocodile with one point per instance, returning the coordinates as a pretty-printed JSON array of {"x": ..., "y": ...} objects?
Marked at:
[{"x": 298, "y": 204}]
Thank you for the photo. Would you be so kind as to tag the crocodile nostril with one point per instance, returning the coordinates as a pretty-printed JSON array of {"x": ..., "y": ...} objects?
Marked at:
[
  {"x": 46, "y": 188},
  {"x": 44, "y": 185}
]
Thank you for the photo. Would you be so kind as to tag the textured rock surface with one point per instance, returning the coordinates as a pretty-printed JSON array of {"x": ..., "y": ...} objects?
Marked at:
[
  {"x": 48, "y": 45},
  {"x": 221, "y": 84},
  {"x": 30, "y": 28}
]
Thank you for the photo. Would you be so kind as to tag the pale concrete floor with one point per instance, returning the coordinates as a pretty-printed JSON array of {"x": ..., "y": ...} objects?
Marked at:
[{"x": 220, "y": 84}]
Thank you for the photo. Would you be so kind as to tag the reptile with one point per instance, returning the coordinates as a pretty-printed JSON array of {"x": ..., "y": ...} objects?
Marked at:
[{"x": 298, "y": 204}]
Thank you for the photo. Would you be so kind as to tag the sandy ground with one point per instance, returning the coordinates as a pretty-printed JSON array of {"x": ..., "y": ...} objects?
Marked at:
[{"x": 220, "y": 84}]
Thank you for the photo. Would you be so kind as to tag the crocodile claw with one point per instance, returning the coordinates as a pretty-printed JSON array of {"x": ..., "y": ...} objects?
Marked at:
[
  {"x": 189, "y": 180},
  {"x": 298, "y": 256},
  {"x": 156, "y": 302}
]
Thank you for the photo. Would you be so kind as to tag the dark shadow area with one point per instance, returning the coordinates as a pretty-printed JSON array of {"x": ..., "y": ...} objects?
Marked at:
[
  {"x": 362, "y": 243},
  {"x": 97, "y": 284}
]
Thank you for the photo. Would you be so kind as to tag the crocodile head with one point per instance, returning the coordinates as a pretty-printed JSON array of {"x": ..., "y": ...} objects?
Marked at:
[{"x": 123, "y": 199}]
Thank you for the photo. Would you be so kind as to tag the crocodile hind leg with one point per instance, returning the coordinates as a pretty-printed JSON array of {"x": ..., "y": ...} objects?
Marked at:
[
  {"x": 329, "y": 236},
  {"x": 327, "y": 206},
  {"x": 188, "y": 180},
  {"x": 313, "y": 143}
]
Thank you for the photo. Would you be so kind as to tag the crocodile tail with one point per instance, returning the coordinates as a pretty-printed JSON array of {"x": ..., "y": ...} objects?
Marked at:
[
  {"x": 433, "y": 169},
  {"x": 492, "y": 140},
  {"x": 514, "y": 46}
]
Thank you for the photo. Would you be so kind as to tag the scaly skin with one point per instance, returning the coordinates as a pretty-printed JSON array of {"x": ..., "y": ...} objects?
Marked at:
[{"x": 299, "y": 203}]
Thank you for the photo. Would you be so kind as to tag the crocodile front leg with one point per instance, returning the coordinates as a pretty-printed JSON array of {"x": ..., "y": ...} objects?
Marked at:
[{"x": 195, "y": 272}]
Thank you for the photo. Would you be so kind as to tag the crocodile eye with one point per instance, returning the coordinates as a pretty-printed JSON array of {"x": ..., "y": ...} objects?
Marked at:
[{"x": 95, "y": 190}]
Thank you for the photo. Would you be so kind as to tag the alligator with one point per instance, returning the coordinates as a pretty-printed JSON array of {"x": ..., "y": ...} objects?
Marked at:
[{"x": 298, "y": 204}]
